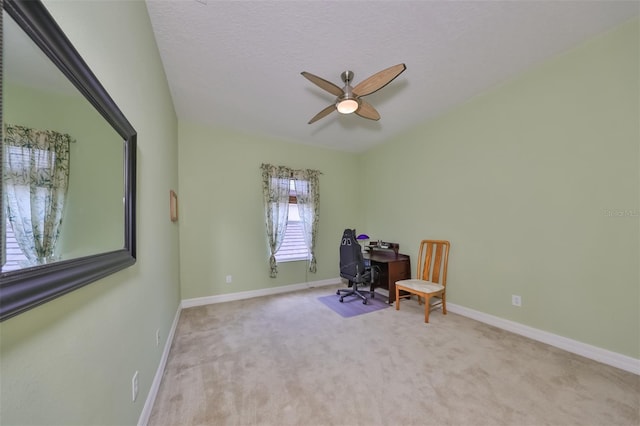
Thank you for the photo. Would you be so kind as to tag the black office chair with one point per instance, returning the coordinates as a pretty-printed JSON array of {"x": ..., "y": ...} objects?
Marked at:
[{"x": 354, "y": 268}]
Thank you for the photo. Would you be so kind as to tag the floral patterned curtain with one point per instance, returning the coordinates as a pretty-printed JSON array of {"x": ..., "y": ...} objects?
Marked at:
[
  {"x": 275, "y": 190},
  {"x": 35, "y": 179},
  {"x": 308, "y": 198}
]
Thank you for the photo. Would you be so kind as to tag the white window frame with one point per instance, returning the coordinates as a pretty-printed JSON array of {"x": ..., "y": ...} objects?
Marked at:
[
  {"x": 293, "y": 248},
  {"x": 12, "y": 260}
]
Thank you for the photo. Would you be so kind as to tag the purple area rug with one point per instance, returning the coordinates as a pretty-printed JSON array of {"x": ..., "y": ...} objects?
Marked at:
[{"x": 353, "y": 305}]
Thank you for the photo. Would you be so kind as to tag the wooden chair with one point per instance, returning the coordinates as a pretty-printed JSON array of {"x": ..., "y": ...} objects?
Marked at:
[{"x": 431, "y": 278}]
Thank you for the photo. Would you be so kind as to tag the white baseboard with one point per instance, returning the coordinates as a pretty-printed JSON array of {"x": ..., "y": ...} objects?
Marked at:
[
  {"x": 595, "y": 353},
  {"x": 208, "y": 300},
  {"x": 155, "y": 385}
]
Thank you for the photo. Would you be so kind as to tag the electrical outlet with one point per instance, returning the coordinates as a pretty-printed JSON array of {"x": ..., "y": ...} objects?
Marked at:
[
  {"x": 229, "y": 279},
  {"x": 134, "y": 387},
  {"x": 516, "y": 300},
  {"x": 158, "y": 337}
]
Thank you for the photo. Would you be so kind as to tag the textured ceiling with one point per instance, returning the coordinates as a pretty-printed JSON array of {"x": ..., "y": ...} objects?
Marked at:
[{"x": 237, "y": 64}]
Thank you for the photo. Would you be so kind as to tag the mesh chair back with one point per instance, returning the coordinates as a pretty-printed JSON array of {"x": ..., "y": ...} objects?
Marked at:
[{"x": 351, "y": 261}]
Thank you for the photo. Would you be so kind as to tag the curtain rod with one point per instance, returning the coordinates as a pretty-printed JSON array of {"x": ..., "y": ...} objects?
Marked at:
[{"x": 292, "y": 170}]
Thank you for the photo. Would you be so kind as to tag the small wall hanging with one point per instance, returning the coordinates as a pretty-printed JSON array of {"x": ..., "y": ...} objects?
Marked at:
[{"x": 173, "y": 205}]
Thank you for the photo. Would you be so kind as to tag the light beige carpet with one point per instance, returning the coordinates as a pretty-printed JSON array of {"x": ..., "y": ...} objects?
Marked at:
[{"x": 290, "y": 360}]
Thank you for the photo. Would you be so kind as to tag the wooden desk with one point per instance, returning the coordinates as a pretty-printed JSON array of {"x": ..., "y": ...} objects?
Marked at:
[{"x": 393, "y": 267}]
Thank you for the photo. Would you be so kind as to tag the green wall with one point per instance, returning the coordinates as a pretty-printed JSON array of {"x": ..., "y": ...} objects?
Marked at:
[
  {"x": 70, "y": 361},
  {"x": 527, "y": 182},
  {"x": 222, "y": 227},
  {"x": 93, "y": 220}
]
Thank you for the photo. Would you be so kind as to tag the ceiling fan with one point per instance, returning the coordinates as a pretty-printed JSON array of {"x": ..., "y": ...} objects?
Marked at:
[{"x": 349, "y": 99}]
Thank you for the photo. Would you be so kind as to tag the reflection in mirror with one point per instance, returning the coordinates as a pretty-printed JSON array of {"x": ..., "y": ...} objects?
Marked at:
[
  {"x": 63, "y": 163},
  {"x": 68, "y": 166}
]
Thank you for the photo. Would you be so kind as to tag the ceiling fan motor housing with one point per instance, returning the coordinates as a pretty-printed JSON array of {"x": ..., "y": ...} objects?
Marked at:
[{"x": 347, "y": 77}]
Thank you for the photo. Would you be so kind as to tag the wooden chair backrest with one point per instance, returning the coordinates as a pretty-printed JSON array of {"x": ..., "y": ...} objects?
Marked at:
[{"x": 433, "y": 259}]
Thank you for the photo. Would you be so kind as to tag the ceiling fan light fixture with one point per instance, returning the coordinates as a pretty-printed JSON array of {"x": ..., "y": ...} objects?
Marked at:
[{"x": 347, "y": 105}]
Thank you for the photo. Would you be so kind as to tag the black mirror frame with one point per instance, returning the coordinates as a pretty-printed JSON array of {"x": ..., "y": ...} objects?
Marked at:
[{"x": 25, "y": 289}]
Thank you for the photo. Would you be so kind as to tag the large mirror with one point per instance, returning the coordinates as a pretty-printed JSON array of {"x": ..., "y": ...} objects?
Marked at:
[{"x": 68, "y": 167}]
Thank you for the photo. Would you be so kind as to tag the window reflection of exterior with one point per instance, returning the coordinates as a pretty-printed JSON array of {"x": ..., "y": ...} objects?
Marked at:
[
  {"x": 14, "y": 257},
  {"x": 293, "y": 247}
]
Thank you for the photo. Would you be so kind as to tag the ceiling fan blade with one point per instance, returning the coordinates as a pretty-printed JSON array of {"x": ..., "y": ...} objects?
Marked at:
[
  {"x": 323, "y": 84},
  {"x": 328, "y": 110},
  {"x": 367, "y": 111},
  {"x": 378, "y": 80}
]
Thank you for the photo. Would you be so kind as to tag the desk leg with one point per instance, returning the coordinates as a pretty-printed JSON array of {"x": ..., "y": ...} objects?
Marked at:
[{"x": 392, "y": 292}]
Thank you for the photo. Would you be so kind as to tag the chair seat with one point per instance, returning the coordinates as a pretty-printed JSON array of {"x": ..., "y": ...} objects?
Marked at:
[{"x": 421, "y": 286}]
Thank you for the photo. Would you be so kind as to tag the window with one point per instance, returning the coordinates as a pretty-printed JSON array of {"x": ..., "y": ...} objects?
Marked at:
[
  {"x": 35, "y": 180},
  {"x": 14, "y": 257},
  {"x": 293, "y": 247},
  {"x": 282, "y": 186},
  {"x": 20, "y": 159}
]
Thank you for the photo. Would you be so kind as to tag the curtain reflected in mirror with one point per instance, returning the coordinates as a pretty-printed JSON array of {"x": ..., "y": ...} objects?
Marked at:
[{"x": 63, "y": 164}]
